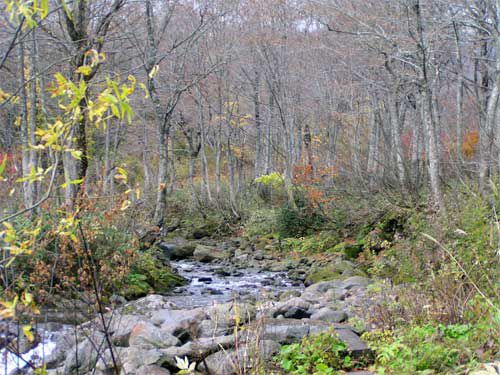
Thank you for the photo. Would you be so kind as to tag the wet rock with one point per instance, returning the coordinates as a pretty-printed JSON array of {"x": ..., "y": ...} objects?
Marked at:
[
  {"x": 148, "y": 336},
  {"x": 222, "y": 272},
  {"x": 259, "y": 255},
  {"x": 177, "y": 248},
  {"x": 297, "y": 274},
  {"x": 231, "y": 362}
]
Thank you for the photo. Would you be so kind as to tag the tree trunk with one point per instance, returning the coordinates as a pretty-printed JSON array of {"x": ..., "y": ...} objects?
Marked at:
[{"x": 26, "y": 123}]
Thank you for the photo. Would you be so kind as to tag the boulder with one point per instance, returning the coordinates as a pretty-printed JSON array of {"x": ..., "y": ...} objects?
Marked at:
[
  {"x": 294, "y": 308},
  {"x": 328, "y": 315},
  {"x": 121, "y": 326},
  {"x": 206, "y": 254},
  {"x": 288, "y": 331},
  {"x": 134, "y": 359},
  {"x": 147, "y": 305},
  {"x": 356, "y": 347},
  {"x": 315, "y": 291},
  {"x": 174, "y": 320},
  {"x": 339, "y": 270},
  {"x": 210, "y": 328},
  {"x": 148, "y": 336},
  {"x": 356, "y": 281},
  {"x": 288, "y": 294},
  {"x": 229, "y": 362},
  {"x": 83, "y": 356},
  {"x": 177, "y": 248},
  {"x": 201, "y": 348},
  {"x": 228, "y": 314}
]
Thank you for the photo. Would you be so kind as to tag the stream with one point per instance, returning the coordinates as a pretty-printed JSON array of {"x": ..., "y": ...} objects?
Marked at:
[{"x": 207, "y": 283}]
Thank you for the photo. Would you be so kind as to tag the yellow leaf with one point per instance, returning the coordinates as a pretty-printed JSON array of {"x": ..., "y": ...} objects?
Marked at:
[
  {"x": 27, "y": 332},
  {"x": 85, "y": 70},
  {"x": 153, "y": 71},
  {"x": 126, "y": 204}
]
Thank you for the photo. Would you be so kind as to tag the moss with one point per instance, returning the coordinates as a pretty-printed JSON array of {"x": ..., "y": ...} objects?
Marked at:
[
  {"x": 339, "y": 270},
  {"x": 148, "y": 274}
]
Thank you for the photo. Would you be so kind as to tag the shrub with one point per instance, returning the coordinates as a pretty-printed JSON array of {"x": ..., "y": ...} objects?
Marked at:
[
  {"x": 316, "y": 243},
  {"x": 430, "y": 348},
  {"x": 60, "y": 263},
  {"x": 322, "y": 354},
  {"x": 298, "y": 222},
  {"x": 261, "y": 222}
]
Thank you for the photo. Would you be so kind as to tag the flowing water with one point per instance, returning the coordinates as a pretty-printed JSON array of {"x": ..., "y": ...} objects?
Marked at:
[{"x": 207, "y": 283}]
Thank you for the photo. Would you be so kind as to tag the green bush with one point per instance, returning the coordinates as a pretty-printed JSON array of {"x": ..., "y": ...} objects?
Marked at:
[
  {"x": 432, "y": 348},
  {"x": 298, "y": 222},
  {"x": 261, "y": 222},
  {"x": 322, "y": 354},
  {"x": 323, "y": 242}
]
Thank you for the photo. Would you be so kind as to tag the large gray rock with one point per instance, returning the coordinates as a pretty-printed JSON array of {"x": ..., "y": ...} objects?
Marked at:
[
  {"x": 177, "y": 248},
  {"x": 201, "y": 348},
  {"x": 211, "y": 328},
  {"x": 356, "y": 347},
  {"x": 180, "y": 323},
  {"x": 229, "y": 362},
  {"x": 148, "y": 336},
  {"x": 147, "y": 305},
  {"x": 294, "y": 308},
  {"x": 288, "y": 331},
  {"x": 134, "y": 358},
  {"x": 121, "y": 326},
  {"x": 228, "y": 314},
  {"x": 83, "y": 356},
  {"x": 206, "y": 254},
  {"x": 328, "y": 315},
  {"x": 356, "y": 281}
]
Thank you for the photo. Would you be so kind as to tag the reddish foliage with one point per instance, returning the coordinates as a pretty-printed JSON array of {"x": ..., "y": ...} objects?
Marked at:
[{"x": 469, "y": 144}]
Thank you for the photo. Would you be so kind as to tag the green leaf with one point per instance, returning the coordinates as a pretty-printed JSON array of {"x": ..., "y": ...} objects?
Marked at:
[{"x": 2, "y": 166}]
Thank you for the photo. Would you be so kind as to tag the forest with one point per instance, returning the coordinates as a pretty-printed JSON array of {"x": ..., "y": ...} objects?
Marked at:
[{"x": 249, "y": 187}]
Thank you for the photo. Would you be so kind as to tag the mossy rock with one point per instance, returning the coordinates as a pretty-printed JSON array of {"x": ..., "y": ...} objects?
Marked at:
[
  {"x": 336, "y": 271},
  {"x": 150, "y": 273}
]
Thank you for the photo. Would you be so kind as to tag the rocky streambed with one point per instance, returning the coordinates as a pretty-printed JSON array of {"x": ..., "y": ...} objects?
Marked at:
[{"x": 238, "y": 307}]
